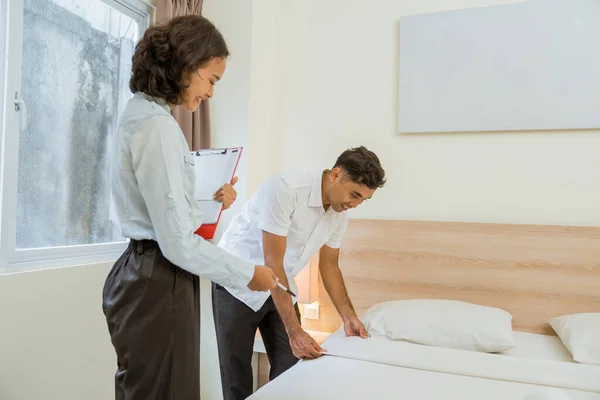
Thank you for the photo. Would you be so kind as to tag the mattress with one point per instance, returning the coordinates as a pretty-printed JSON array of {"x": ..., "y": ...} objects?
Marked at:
[{"x": 381, "y": 369}]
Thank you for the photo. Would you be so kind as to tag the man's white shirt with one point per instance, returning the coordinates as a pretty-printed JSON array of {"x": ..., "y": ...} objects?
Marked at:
[{"x": 288, "y": 204}]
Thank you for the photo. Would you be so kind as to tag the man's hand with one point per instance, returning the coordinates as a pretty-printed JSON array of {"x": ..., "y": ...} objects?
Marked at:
[
  {"x": 226, "y": 194},
  {"x": 334, "y": 284},
  {"x": 304, "y": 346},
  {"x": 353, "y": 327}
]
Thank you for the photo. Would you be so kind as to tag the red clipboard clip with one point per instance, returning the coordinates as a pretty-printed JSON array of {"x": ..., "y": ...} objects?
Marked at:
[{"x": 207, "y": 231}]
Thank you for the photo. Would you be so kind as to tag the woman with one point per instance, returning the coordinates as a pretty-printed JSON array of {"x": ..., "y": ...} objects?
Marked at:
[{"x": 151, "y": 296}]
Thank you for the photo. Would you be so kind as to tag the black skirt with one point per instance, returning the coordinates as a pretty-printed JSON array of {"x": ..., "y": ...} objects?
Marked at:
[{"x": 152, "y": 309}]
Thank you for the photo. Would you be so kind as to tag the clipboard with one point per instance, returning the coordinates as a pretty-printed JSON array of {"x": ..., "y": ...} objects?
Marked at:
[{"x": 214, "y": 168}]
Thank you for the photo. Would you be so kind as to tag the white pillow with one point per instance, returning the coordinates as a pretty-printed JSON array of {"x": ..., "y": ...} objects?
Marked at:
[
  {"x": 442, "y": 323},
  {"x": 580, "y": 333}
]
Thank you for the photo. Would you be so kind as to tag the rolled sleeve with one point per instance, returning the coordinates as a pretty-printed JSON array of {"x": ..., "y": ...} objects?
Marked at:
[
  {"x": 277, "y": 207},
  {"x": 159, "y": 166},
  {"x": 335, "y": 241}
]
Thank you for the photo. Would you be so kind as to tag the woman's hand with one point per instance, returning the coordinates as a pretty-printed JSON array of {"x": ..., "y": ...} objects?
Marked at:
[
  {"x": 227, "y": 194},
  {"x": 264, "y": 279}
]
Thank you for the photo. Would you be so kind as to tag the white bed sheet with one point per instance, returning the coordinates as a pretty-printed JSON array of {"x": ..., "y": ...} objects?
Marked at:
[
  {"x": 543, "y": 347},
  {"x": 529, "y": 345},
  {"x": 379, "y": 369}
]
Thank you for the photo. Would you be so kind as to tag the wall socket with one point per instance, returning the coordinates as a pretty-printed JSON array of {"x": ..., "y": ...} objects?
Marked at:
[{"x": 311, "y": 311}]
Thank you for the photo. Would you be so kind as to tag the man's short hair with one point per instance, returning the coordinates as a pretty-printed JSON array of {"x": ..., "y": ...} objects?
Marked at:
[{"x": 362, "y": 166}]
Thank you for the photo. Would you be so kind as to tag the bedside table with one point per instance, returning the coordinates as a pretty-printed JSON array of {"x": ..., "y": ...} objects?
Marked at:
[{"x": 260, "y": 361}]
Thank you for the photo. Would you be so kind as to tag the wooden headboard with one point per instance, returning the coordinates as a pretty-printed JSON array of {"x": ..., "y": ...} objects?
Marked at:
[{"x": 533, "y": 272}]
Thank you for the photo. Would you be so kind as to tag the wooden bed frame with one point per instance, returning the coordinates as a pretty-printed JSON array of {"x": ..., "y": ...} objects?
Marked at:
[{"x": 533, "y": 272}]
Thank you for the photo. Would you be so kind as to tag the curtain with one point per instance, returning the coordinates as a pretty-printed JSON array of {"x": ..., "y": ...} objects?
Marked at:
[{"x": 196, "y": 125}]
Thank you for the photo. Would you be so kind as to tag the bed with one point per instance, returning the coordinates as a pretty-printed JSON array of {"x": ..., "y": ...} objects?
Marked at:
[{"x": 533, "y": 272}]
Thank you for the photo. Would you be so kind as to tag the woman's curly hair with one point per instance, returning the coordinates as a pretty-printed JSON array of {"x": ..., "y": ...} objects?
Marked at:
[{"x": 168, "y": 52}]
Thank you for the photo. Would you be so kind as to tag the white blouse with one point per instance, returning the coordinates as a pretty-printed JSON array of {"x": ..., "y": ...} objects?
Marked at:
[{"x": 153, "y": 182}]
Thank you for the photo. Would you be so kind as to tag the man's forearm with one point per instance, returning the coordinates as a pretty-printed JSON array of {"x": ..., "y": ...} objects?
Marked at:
[
  {"x": 334, "y": 284},
  {"x": 283, "y": 301}
]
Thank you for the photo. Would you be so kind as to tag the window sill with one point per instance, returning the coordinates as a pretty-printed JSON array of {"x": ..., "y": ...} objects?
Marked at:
[{"x": 59, "y": 262}]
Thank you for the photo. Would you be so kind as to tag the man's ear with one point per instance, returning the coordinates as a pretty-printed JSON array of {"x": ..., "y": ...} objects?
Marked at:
[{"x": 336, "y": 174}]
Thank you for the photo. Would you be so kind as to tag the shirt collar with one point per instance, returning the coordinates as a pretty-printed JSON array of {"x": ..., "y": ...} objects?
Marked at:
[
  {"x": 316, "y": 198},
  {"x": 161, "y": 102}
]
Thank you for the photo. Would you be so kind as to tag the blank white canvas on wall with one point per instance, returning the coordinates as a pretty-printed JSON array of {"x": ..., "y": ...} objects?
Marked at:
[{"x": 526, "y": 66}]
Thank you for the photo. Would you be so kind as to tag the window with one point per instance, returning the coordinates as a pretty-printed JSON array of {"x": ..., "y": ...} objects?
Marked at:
[{"x": 67, "y": 80}]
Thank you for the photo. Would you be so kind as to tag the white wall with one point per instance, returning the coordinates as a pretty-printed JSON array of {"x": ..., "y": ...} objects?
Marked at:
[
  {"x": 54, "y": 343},
  {"x": 337, "y": 80},
  {"x": 266, "y": 91}
]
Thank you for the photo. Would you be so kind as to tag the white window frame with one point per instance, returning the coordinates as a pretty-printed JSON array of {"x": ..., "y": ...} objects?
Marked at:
[
  {"x": 11, "y": 258},
  {"x": 3, "y": 63}
]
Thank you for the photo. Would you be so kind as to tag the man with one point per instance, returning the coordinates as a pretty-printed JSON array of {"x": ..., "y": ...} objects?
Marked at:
[{"x": 291, "y": 217}]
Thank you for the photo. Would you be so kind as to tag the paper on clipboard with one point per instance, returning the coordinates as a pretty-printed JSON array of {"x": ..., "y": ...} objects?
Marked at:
[{"x": 214, "y": 168}]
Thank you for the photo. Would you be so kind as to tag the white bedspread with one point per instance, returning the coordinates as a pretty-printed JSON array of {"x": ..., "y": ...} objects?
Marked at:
[{"x": 379, "y": 369}]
